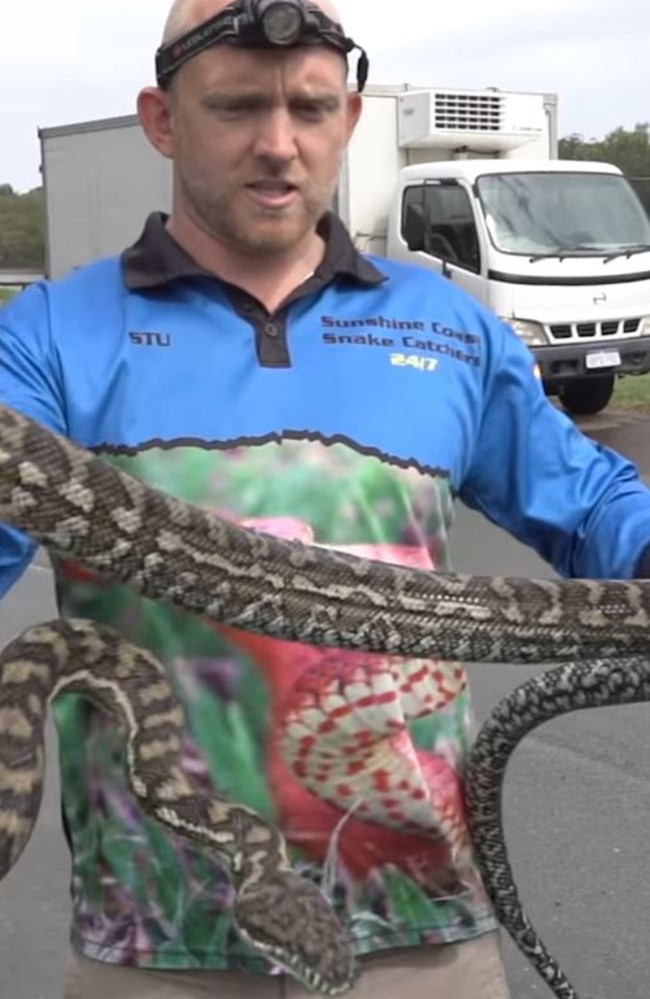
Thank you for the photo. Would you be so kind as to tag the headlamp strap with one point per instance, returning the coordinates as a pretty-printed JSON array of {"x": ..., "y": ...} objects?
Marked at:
[{"x": 232, "y": 27}]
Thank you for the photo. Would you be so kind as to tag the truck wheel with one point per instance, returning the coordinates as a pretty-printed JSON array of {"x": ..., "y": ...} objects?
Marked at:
[{"x": 587, "y": 396}]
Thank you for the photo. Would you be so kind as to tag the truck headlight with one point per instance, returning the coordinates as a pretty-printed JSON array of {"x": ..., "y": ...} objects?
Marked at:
[
  {"x": 644, "y": 329},
  {"x": 531, "y": 333}
]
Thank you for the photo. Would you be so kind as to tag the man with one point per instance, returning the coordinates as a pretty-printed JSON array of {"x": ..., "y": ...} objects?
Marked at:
[{"x": 208, "y": 360}]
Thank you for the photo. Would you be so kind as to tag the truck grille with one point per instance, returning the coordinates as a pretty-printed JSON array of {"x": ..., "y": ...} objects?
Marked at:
[{"x": 603, "y": 330}]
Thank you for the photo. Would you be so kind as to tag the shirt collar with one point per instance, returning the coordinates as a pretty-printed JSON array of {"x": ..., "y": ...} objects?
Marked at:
[{"x": 156, "y": 259}]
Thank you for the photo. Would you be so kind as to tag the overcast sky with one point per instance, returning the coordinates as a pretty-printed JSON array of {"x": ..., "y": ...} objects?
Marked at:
[{"x": 75, "y": 60}]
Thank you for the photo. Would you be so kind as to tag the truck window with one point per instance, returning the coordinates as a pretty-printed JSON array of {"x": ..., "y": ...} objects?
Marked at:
[
  {"x": 531, "y": 212},
  {"x": 437, "y": 219}
]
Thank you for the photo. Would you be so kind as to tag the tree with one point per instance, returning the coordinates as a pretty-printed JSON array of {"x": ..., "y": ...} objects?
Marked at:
[
  {"x": 628, "y": 150},
  {"x": 22, "y": 243}
]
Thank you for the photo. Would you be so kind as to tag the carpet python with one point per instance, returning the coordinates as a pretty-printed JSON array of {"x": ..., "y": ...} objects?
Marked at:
[{"x": 80, "y": 506}]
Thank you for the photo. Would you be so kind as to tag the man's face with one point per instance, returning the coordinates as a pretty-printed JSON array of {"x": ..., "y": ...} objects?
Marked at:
[{"x": 257, "y": 142}]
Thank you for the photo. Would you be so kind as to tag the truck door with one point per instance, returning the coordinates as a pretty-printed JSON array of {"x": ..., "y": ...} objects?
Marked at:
[{"x": 439, "y": 228}]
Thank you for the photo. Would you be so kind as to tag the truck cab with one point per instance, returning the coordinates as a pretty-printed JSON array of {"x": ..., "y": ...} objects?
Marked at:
[{"x": 559, "y": 249}]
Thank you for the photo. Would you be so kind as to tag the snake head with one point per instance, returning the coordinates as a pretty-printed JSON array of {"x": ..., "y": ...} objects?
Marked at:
[{"x": 289, "y": 921}]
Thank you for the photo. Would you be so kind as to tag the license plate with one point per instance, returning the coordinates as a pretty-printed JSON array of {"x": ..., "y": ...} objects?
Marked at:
[{"x": 603, "y": 359}]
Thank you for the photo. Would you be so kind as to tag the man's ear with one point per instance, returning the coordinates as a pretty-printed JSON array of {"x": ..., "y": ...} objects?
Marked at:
[
  {"x": 155, "y": 117},
  {"x": 355, "y": 104}
]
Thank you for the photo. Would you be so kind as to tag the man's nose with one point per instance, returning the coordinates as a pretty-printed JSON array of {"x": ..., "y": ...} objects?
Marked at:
[{"x": 276, "y": 138}]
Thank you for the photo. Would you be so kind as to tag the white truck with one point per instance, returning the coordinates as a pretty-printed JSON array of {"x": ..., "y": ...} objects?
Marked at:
[{"x": 464, "y": 182}]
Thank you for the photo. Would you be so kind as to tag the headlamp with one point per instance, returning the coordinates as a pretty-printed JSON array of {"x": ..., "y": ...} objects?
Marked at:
[
  {"x": 282, "y": 22},
  {"x": 260, "y": 24}
]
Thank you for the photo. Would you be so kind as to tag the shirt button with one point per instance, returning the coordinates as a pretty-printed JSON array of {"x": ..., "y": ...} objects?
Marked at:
[{"x": 271, "y": 329}]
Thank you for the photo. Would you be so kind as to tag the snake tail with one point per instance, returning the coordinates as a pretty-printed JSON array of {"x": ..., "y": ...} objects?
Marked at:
[{"x": 564, "y": 689}]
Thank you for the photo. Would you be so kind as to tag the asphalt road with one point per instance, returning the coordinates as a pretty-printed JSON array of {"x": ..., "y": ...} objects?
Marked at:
[{"x": 577, "y": 802}]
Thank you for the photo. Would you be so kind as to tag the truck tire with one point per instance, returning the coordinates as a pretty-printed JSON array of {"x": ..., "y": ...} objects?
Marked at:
[{"x": 587, "y": 396}]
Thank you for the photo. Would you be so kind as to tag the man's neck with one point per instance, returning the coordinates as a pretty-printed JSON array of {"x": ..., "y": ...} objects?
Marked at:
[{"x": 269, "y": 278}]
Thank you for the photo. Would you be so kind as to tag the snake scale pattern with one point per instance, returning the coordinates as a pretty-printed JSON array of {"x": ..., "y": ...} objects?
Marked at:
[{"x": 80, "y": 506}]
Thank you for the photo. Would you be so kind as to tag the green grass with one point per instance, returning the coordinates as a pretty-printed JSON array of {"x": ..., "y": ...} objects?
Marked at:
[
  {"x": 6, "y": 294},
  {"x": 632, "y": 393}
]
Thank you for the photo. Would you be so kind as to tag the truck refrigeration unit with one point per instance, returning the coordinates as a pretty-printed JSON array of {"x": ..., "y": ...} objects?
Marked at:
[{"x": 464, "y": 182}]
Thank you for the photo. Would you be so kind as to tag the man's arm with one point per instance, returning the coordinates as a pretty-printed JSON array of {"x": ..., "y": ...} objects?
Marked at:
[
  {"x": 581, "y": 506},
  {"x": 29, "y": 383}
]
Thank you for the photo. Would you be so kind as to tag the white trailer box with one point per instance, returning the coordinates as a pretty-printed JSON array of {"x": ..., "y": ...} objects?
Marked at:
[{"x": 100, "y": 178}]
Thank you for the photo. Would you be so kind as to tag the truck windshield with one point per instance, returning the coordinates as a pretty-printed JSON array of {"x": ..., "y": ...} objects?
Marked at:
[{"x": 563, "y": 214}]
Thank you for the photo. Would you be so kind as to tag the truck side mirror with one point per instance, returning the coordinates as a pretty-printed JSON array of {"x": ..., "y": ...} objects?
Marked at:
[{"x": 414, "y": 229}]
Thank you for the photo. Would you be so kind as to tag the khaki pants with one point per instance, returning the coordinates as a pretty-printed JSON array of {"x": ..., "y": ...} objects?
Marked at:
[{"x": 470, "y": 970}]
